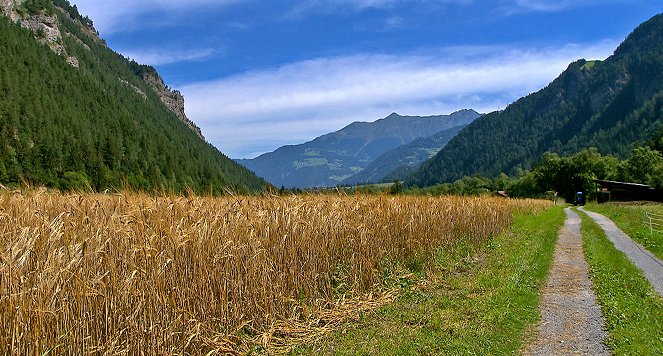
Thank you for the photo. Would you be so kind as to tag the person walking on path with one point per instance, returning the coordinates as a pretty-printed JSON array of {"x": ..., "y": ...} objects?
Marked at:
[{"x": 650, "y": 265}]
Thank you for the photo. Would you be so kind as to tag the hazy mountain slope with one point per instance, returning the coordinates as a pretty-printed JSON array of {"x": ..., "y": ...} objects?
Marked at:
[
  {"x": 404, "y": 158},
  {"x": 74, "y": 113},
  {"x": 329, "y": 159},
  {"x": 610, "y": 105}
]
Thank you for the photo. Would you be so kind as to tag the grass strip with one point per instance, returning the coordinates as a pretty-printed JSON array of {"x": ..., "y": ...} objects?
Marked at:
[
  {"x": 631, "y": 220},
  {"x": 474, "y": 302},
  {"x": 633, "y": 311}
]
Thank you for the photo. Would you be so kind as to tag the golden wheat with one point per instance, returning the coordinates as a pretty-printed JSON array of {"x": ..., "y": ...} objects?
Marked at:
[{"x": 130, "y": 273}]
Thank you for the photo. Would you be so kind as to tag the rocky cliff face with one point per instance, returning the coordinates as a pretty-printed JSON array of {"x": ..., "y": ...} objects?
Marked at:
[
  {"x": 7, "y": 9},
  {"x": 45, "y": 27},
  {"x": 47, "y": 30},
  {"x": 173, "y": 99}
]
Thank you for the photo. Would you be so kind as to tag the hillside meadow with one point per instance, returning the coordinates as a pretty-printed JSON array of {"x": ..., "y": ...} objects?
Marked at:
[{"x": 138, "y": 274}]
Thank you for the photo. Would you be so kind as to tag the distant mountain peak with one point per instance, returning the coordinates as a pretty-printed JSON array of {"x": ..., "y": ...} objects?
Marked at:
[{"x": 345, "y": 152}]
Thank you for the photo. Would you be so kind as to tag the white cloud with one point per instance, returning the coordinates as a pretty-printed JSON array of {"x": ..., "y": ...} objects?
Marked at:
[
  {"x": 305, "y": 7},
  {"x": 522, "y": 6},
  {"x": 258, "y": 111},
  {"x": 159, "y": 57},
  {"x": 118, "y": 15},
  {"x": 542, "y": 5}
]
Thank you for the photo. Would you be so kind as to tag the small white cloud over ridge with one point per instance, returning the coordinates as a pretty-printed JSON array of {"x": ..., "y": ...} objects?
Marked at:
[{"x": 167, "y": 56}]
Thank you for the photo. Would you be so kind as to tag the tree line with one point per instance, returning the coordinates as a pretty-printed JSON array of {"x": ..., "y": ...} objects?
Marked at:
[{"x": 565, "y": 175}]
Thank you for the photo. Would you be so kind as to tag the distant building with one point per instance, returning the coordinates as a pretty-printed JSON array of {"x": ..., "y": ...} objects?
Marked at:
[{"x": 607, "y": 190}]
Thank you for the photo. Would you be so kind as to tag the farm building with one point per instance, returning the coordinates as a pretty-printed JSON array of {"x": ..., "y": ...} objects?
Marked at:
[{"x": 607, "y": 190}]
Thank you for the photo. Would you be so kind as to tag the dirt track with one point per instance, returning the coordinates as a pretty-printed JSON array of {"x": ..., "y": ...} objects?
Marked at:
[
  {"x": 650, "y": 265},
  {"x": 571, "y": 321}
]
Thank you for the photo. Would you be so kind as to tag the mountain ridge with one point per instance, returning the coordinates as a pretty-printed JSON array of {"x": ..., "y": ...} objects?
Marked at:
[
  {"x": 41, "y": 17},
  {"x": 329, "y": 159},
  {"x": 610, "y": 104},
  {"x": 394, "y": 164}
]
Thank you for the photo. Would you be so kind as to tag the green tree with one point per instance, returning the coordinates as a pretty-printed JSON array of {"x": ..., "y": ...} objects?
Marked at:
[
  {"x": 644, "y": 165},
  {"x": 568, "y": 175}
]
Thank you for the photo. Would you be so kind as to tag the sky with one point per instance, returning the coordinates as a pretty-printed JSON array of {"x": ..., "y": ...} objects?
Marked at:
[{"x": 257, "y": 75}]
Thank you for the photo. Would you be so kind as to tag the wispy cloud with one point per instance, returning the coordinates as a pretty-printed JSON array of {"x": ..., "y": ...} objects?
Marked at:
[
  {"x": 258, "y": 111},
  {"x": 306, "y": 7},
  {"x": 118, "y": 15},
  {"x": 524, "y": 6},
  {"x": 158, "y": 57},
  {"x": 383, "y": 25},
  {"x": 543, "y": 5}
]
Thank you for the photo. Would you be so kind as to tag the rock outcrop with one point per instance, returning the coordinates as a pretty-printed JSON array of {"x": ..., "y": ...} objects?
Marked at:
[
  {"x": 173, "y": 99},
  {"x": 8, "y": 9},
  {"x": 45, "y": 26},
  {"x": 135, "y": 88},
  {"x": 47, "y": 30}
]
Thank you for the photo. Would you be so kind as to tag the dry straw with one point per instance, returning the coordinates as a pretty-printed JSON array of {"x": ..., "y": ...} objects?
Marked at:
[{"x": 134, "y": 274}]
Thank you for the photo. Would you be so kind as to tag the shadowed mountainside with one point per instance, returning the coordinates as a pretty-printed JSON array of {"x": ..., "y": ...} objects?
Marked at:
[{"x": 331, "y": 158}]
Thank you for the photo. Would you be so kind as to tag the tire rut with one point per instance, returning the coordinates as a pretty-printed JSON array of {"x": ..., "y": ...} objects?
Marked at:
[{"x": 650, "y": 265}]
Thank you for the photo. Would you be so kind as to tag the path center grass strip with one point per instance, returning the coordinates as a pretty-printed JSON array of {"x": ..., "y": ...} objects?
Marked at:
[
  {"x": 633, "y": 311},
  {"x": 481, "y": 301}
]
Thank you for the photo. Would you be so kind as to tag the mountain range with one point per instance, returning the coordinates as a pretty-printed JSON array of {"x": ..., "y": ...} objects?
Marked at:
[
  {"x": 611, "y": 105},
  {"x": 332, "y": 158},
  {"x": 74, "y": 114},
  {"x": 399, "y": 163}
]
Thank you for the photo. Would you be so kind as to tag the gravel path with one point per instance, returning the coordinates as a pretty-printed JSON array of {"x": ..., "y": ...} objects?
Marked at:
[
  {"x": 650, "y": 265},
  {"x": 571, "y": 321}
]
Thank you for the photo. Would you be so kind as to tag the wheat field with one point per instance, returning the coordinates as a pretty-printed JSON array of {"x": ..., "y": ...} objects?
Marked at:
[{"x": 135, "y": 274}]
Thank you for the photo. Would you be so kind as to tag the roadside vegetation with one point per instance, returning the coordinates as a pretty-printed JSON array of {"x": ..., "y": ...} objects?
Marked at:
[
  {"x": 633, "y": 310},
  {"x": 566, "y": 174},
  {"x": 552, "y": 173},
  {"x": 476, "y": 299},
  {"x": 631, "y": 219}
]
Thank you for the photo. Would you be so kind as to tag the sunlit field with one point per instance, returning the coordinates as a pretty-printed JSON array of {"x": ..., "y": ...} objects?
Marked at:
[{"x": 135, "y": 274}]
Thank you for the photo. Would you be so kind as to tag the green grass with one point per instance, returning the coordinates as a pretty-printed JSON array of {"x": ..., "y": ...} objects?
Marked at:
[
  {"x": 633, "y": 311},
  {"x": 589, "y": 65},
  {"x": 310, "y": 162},
  {"x": 481, "y": 301},
  {"x": 631, "y": 220}
]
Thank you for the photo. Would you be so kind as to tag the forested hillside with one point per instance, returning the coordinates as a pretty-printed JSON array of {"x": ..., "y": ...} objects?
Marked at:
[
  {"x": 612, "y": 105},
  {"x": 399, "y": 163},
  {"x": 94, "y": 121}
]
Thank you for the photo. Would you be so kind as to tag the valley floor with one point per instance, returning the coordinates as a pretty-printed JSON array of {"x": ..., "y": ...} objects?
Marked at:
[
  {"x": 476, "y": 301},
  {"x": 486, "y": 301},
  {"x": 131, "y": 273}
]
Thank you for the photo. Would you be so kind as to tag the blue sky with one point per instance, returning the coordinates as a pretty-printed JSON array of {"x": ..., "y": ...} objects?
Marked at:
[{"x": 257, "y": 74}]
